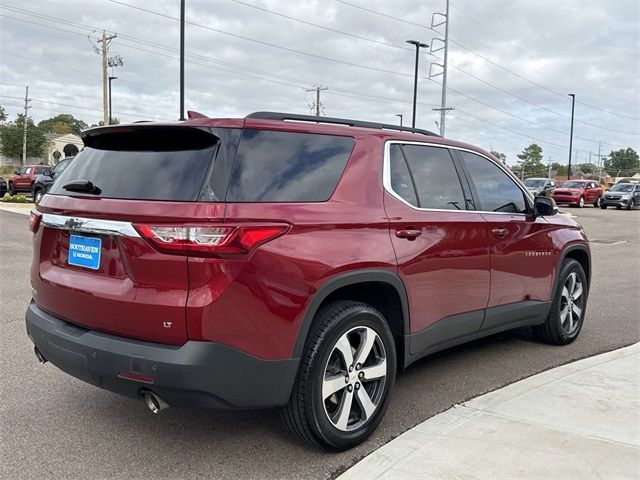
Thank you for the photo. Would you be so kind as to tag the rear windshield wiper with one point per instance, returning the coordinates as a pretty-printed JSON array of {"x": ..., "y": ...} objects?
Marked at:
[{"x": 84, "y": 186}]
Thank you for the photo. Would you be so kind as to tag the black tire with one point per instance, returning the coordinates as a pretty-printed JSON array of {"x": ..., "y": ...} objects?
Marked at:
[
  {"x": 631, "y": 204},
  {"x": 581, "y": 202},
  {"x": 37, "y": 195},
  {"x": 308, "y": 413},
  {"x": 603, "y": 206},
  {"x": 554, "y": 330},
  {"x": 12, "y": 190},
  {"x": 597, "y": 202},
  {"x": 618, "y": 207}
]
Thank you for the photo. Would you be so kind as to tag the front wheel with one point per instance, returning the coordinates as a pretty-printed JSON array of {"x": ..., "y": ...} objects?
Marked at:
[
  {"x": 631, "y": 204},
  {"x": 603, "y": 206},
  {"x": 345, "y": 379},
  {"x": 568, "y": 308},
  {"x": 581, "y": 202},
  {"x": 12, "y": 189}
]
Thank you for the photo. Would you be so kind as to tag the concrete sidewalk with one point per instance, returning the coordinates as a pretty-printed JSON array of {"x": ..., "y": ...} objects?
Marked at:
[
  {"x": 23, "y": 208},
  {"x": 578, "y": 421}
]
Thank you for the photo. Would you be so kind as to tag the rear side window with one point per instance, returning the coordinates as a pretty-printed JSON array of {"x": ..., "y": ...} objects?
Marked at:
[
  {"x": 41, "y": 169},
  {"x": 150, "y": 165},
  {"x": 287, "y": 167},
  {"x": 435, "y": 176}
]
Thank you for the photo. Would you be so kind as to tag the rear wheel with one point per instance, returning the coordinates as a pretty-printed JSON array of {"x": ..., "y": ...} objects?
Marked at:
[
  {"x": 12, "y": 189},
  {"x": 345, "y": 379},
  {"x": 568, "y": 308},
  {"x": 597, "y": 202}
]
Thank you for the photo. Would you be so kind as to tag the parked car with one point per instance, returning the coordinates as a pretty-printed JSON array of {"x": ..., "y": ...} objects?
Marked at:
[
  {"x": 264, "y": 263},
  {"x": 22, "y": 180},
  {"x": 622, "y": 195},
  {"x": 3, "y": 187},
  {"x": 540, "y": 186},
  {"x": 577, "y": 193},
  {"x": 44, "y": 181}
]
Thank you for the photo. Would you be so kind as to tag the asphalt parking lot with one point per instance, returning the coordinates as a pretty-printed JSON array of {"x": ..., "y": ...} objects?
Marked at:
[{"x": 54, "y": 426}]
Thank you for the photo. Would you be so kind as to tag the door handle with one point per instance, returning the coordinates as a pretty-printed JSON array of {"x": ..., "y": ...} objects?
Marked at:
[
  {"x": 409, "y": 234},
  {"x": 500, "y": 232}
]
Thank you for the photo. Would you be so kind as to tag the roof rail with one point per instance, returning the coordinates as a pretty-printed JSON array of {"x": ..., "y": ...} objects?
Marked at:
[{"x": 337, "y": 121}]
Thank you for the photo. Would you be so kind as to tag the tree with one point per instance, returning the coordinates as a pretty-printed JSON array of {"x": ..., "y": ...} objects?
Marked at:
[
  {"x": 3, "y": 114},
  {"x": 500, "y": 156},
  {"x": 63, "y": 123},
  {"x": 559, "y": 169},
  {"x": 530, "y": 164},
  {"x": 625, "y": 161},
  {"x": 11, "y": 134},
  {"x": 114, "y": 121}
]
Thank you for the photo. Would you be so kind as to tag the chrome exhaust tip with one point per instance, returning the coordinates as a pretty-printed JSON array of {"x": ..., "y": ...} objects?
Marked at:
[
  {"x": 39, "y": 355},
  {"x": 154, "y": 402}
]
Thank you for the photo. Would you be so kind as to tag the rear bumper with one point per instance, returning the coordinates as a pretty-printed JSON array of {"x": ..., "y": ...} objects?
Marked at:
[{"x": 196, "y": 374}]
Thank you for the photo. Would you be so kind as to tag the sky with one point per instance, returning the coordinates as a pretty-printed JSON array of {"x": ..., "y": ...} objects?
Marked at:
[{"x": 511, "y": 65}]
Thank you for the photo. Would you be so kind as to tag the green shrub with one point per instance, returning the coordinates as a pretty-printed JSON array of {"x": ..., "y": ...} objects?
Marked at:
[{"x": 14, "y": 199}]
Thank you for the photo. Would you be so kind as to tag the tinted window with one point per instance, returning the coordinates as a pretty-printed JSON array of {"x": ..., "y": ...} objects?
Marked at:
[
  {"x": 401, "y": 181},
  {"x": 435, "y": 177},
  {"x": 287, "y": 167},
  {"x": 573, "y": 185},
  {"x": 496, "y": 190},
  {"x": 144, "y": 175},
  {"x": 41, "y": 169}
]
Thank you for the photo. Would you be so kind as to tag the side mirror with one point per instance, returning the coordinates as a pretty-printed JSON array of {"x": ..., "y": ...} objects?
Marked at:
[
  {"x": 47, "y": 172},
  {"x": 544, "y": 206},
  {"x": 17, "y": 172}
]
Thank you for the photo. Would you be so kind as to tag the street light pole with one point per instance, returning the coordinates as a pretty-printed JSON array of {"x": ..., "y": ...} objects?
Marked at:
[
  {"x": 573, "y": 104},
  {"x": 182, "y": 59},
  {"x": 110, "y": 115},
  {"x": 415, "y": 78},
  {"x": 399, "y": 115}
]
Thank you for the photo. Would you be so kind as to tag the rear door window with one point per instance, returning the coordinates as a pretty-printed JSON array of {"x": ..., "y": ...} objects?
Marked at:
[
  {"x": 436, "y": 179},
  {"x": 287, "y": 167},
  {"x": 162, "y": 165}
]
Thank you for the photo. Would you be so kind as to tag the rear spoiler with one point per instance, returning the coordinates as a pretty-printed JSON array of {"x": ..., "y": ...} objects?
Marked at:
[{"x": 149, "y": 137}]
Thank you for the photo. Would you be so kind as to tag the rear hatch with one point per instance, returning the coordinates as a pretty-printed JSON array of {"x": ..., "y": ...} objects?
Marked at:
[{"x": 92, "y": 264}]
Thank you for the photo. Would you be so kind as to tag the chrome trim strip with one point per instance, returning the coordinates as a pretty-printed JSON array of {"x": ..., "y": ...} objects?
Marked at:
[
  {"x": 89, "y": 225},
  {"x": 386, "y": 177}
]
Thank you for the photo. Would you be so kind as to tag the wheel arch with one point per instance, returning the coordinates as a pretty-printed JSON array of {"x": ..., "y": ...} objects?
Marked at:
[
  {"x": 581, "y": 254},
  {"x": 366, "y": 285}
]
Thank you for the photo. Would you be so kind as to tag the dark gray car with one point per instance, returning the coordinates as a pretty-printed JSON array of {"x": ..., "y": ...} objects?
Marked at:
[
  {"x": 621, "y": 195},
  {"x": 539, "y": 186},
  {"x": 43, "y": 182}
]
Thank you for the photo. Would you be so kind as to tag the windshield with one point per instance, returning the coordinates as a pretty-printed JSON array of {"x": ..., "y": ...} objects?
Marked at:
[
  {"x": 622, "y": 187},
  {"x": 534, "y": 183},
  {"x": 573, "y": 185}
]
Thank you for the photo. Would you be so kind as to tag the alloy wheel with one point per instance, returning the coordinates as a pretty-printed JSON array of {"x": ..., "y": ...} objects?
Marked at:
[
  {"x": 354, "y": 379},
  {"x": 571, "y": 303}
]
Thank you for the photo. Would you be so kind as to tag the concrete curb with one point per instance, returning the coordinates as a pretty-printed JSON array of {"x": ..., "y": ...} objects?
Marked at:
[
  {"x": 580, "y": 420},
  {"x": 22, "y": 208}
]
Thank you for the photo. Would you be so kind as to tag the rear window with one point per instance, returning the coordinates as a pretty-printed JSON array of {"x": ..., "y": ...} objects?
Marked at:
[
  {"x": 136, "y": 171},
  {"x": 40, "y": 169},
  {"x": 287, "y": 167}
]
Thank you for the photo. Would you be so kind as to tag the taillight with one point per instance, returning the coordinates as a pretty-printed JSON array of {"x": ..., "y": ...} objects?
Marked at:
[
  {"x": 206, "y": 240},
  {"x": 34, "y": 220}
]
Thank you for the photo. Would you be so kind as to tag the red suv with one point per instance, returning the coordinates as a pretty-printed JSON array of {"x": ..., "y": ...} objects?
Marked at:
[
  {"x": 577, "y": 193},
  {"x": 22, "y": 180},
  {"x": 281, "y": 261}
]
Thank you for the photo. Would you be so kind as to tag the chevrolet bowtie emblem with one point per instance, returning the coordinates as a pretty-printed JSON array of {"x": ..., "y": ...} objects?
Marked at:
[{"x": 73, "y": 223}]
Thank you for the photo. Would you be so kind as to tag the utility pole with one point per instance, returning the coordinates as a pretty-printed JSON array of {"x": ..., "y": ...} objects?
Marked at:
[
  {"x": 104, "y": 50},
  {"x": 317, "y": 104},
  {"x": 599, "y": 161},
  {"x": 573, "y": 104},
  {"x": 24, "y": 128},
  {"x": 445, "y": 47}
]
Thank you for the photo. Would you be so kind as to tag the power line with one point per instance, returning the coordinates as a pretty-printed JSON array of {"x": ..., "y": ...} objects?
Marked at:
[{"x": 486, "y": 59}]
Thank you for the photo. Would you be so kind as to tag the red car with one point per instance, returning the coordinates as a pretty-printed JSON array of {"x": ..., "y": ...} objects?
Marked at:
[
  {"x": 577, "y": 193},
  {"x": 278, "y": 261},
  {"x": 22, "y": 180}
]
